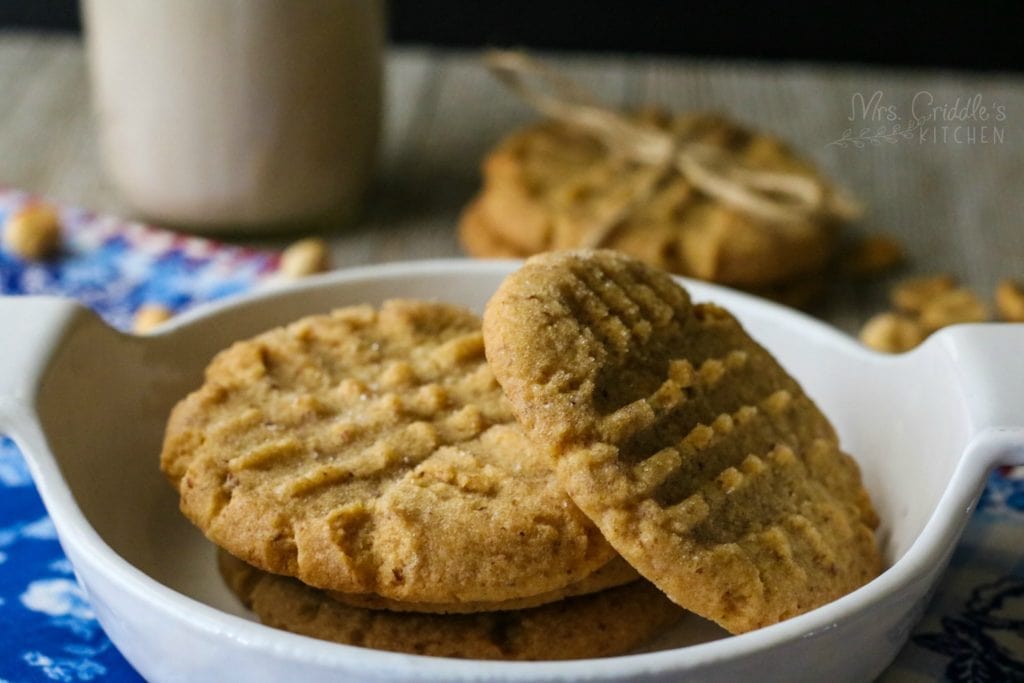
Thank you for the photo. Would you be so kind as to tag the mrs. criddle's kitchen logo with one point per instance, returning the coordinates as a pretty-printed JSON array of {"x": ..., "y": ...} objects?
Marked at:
[{"x": 926, "y": 119}]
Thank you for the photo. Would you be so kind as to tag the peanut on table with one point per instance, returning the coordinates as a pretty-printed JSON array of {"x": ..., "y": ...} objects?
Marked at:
[{"x": 33, "y": 233}]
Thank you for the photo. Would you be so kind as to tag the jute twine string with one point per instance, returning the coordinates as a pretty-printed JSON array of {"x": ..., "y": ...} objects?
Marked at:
[{"x": 773, "y": 196}]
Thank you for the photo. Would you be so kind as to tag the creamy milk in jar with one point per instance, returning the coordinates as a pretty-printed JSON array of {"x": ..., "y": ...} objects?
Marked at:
[{"x": 252, "y": 115}]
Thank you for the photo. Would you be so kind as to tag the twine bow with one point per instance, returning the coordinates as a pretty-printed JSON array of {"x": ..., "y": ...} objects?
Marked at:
[{"x": 776, "y": 197}]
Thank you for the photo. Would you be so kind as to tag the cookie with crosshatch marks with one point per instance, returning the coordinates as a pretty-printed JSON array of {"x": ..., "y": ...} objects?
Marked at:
[
  {"x": 372, "y": 451},
  {"x": 603, "y": 624},
  {"x": 700, "y": 459}
]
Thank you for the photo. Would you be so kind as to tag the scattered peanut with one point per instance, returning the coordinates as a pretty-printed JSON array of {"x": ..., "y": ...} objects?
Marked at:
[
  {"x": 874, "y": 254},
  {"x": 892, "y": 333},
  {"x": 149, "y": 316},
  {"x": 926, "y": 304},
  {"x": 33, "y": 233},
  {"x": 952, "y": 307},
  {"x": 1010, "y": 301},
  {"x": 304, "y": 257},
  {"x": 911, "y": 296}
]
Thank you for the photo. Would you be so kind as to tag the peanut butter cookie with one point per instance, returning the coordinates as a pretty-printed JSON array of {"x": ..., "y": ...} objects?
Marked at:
[
  {"x": 372, "y": 451},
  {"x": 618, "y": 572},
  {"x": 702, "y": 461},
  {"x": 551, "y": 187},
  {"x": 480, "y": 240},
  {"x": 600, "y": 625}
]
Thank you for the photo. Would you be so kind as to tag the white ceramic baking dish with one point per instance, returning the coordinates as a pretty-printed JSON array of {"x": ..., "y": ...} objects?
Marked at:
[{"x": 87, "y": 405}]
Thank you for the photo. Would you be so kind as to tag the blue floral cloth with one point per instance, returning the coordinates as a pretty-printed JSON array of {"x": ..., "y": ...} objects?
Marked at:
[
  {"x": 973, "y": 629},
  {"x": 47, "y": 629}
]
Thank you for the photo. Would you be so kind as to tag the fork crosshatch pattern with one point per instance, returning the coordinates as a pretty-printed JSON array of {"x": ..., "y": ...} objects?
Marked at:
[{"x": 973, "y": 630}]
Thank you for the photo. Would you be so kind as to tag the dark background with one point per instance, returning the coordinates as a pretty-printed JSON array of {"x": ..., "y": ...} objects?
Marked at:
[{"x": 966, "y": 35}]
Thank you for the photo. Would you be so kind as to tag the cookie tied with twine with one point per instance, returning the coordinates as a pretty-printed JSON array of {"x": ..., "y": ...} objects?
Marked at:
[{"x": 694, "y": 194}]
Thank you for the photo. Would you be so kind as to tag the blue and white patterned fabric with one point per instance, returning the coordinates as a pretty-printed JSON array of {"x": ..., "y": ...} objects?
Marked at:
[
  {"x": 47, "y": 628},
  {"x": 972, "y": 631},
  {"x": 114, "y": 266},
  {"x": 48, "y": 631}
]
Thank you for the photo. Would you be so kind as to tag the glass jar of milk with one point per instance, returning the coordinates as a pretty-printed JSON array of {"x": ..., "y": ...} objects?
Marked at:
[{"x": 238, "y": 115}]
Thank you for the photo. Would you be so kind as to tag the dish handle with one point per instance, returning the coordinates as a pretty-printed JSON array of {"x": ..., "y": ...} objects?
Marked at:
[
  {"x": 989, "y": 364},
  {"x": 31, "y": 330}
]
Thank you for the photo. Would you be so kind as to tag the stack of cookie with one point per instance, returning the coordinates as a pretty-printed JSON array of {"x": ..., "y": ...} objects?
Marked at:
[
  {"x": 618, "y": 455},
  {"x": 554, "y": 185},
  {"x": 365, "y": 474}
]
